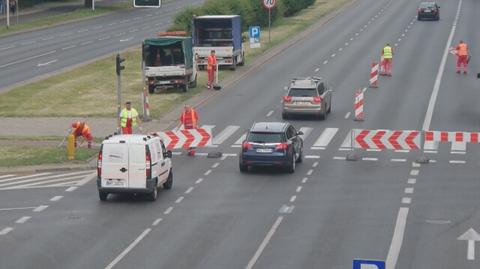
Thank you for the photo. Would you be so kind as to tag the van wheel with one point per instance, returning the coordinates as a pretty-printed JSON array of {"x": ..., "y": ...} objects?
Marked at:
[
  {"x": 154, "y": 194},
  {"x": 169, "y": 183},
  {"x": 103, "y": 195}
]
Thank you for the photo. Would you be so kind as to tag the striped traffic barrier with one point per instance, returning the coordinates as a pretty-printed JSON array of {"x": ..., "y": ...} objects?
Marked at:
[
  {"x": 358, "y": 105},
  {"x": 374, "y": 76}
]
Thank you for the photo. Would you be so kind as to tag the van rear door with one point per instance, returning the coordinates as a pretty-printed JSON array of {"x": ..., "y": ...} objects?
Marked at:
[
  {"x": 115, "y": 166},
  {"x": 137, "y": 166}
]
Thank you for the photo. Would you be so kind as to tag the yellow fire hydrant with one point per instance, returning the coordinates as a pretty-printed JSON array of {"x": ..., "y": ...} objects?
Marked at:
[{"x": 71, "y": 147}]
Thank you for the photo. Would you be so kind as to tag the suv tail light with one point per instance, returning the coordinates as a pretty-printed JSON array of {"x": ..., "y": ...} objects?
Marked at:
[
  {"x": 287, "y": 99},
  {"x": 246, "y": 146},
  {"x": 99, "y": 164},
  {"x": 148, "y": 163},
  {"x": 282, "y": 146},
  {"x": 317, "y": 99}
]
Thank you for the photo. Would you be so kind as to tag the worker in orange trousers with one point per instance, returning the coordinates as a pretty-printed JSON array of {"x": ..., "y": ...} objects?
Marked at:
[
  {"x": 82, "y": 129},
  {"x": 189, "y": 120}
]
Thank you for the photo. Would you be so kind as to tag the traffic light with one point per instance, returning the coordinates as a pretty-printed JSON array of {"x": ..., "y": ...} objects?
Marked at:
[
  {"x": 120, "y": 67},
  {"x": 147, "y": 3}
]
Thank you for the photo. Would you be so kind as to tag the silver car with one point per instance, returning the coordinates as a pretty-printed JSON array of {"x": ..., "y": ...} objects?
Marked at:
[{"x": 309, "y": 95}]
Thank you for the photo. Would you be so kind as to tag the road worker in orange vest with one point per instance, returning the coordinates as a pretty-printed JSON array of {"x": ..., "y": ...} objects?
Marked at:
[
  {"x": 462, "y": 57},
  {"x": 211, "y": 69},
  {"x": 80, "y": 128},
  {"x": 189, "y": 120}
]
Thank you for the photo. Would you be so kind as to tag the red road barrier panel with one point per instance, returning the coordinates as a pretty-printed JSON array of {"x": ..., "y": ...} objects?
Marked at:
[
  {"x": 358, "y": 105},
  {"x": 442, "y": 136},
  {"x": 374, "y": 75},
  {"x": 186, "y": 138},
  {"x": 387, "y": 139}
]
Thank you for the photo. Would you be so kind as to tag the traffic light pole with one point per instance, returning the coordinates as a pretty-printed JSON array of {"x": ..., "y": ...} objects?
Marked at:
[{"x": 119, "y": 68}]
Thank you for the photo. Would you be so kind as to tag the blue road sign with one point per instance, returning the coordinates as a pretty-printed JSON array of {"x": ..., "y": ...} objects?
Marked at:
[
  {"x": 254, "y": 32},
  {"x": 368, "y": 264}
]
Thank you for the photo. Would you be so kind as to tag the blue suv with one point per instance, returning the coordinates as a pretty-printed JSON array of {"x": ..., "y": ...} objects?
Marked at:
[{"x": 271, "y": 144}]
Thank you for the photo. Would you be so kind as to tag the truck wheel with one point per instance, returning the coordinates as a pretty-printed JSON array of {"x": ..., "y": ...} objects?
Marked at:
[
  {"x": 234, "y": 64},
  {"x": 193, "y": 84},
  {"x": 102, "y": 195},
  {"x": 242, "y": 63},
  {"x": 169, "y": 183},
  {"x": 151, "y": 89}
]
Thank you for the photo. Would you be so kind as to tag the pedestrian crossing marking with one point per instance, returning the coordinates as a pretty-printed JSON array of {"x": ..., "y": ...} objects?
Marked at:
[
  {"x": 23, "y": 177},
  {"x": 326, "y": 137},
  {"x": 306, "y": 132},
  {"x": 347, "y": 142},
  {"x": 225, "y": 134},
  {"x": 44, "y": 180},
  {"x": 239, "y": 141},
  {"x": 430, "y": 145},
  {"x": 459, "y": 146}
]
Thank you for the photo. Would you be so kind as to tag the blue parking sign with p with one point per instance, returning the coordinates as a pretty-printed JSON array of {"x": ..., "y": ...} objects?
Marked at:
[
  {"x": 368, "y": 264},
  {"x": 254, "y": 32}
]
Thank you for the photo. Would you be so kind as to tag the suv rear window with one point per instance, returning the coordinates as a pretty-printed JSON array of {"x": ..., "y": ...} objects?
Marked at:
[
  {"x": 257, "y": 137},
  {"x": 299, "y": 92},
  {"x": 427, "y": 5}
]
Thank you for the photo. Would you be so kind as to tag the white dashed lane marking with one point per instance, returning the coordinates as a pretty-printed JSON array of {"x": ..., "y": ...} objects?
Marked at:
[
  {"x": 22, "y": 219},
  {"x": 179, "y": 200},
  {"x": 56, "y": 198},
  {"x": 406, "y": 200},
  {"x": 156, "y": 222},
  {"x": 189, "y": 190},
  {"x": 168, "y": 211},
  {"x": 199, "y": 181},
  {"x": 40, "y": 208},
  {"x": 6, "y": 230}
]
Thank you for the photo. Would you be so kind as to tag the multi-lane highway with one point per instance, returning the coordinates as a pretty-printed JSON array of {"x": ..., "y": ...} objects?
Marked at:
[
  {"x": 27, "y": 56},
  {"x": 385, "y": 206}
]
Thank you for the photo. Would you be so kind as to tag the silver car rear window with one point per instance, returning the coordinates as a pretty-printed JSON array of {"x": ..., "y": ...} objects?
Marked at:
[{"x": 299, "y": 92}]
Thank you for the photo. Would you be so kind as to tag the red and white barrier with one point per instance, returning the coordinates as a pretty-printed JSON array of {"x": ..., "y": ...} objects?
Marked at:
[
  {"x": 358, "y": 105},
  {"x": 387, "y": 139},
  {"x": 374, "y": 75},
  {"x": 441, "y": 136},
  {"x": 186, "y": 138}
]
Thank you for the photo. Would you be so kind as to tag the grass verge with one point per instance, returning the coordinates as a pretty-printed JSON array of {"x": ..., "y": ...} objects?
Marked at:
[
  {"x": 11, "y": 156},
  {"x": 89, "y": 91},
  {"x": 80, "y": 13}
]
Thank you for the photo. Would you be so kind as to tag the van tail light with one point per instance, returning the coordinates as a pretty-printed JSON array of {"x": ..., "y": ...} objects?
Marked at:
[
  {"x": 148, "y": 163},
  {"x": 246, "y": 146},
  {"x": 317, "y": 99},
  {"x": 287, "y": 99},
  {"x": 281, "y": 147},
  {"x": 99, "y": 164}
]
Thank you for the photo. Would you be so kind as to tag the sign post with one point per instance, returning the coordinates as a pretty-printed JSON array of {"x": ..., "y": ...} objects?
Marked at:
[{"x": 269, "y": 5}]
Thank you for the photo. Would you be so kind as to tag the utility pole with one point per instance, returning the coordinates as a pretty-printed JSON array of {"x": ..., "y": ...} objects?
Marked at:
[
  {"x": 8, "y": 13},
  {"x": 119, "y": 68}
]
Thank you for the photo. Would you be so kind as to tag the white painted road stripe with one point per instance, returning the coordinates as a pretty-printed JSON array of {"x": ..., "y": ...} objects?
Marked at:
[
  {"x": 24, "y": 177},
  {"x": 414, "y": 172},
  {"x": 4, "y": 176},
  {"x": 189, "y": 190},
  {"x": 17, "y": 208},
  {"x": 6, "y": 230},
  {"x": 225, "y": 134},
  {"x": 56, "y": 198},
  {"x": 264, "y": 243},
  {"x": 156, "y": 222},
  {"x": 306, "y": 132},
  {"x": 199, "y": 180},
  {"x": 179, "y": 200},
  {"x": 438, "y": 79},
  {"x": 459, "y": 146},
  {"x": 406, "y": 200},
  {"x": 347, "y": 115},
  {"x": 270, "y": 113},
  {"x": 128, "y": 249},
  {"x": 71, "y": 189},
  {"x": 40, "y": 208},
  {"x": 293, "y": 198},
  {"x": 22, "y": 219},
  {"x": 397, "y": 239},
  {"x": 168, "y": 211},
  {"x": 398, "y": 160},
  {"x": 326, "y": 137},
  {"x": 412, "y": 181},
  {"x": 457, "y": 162},
  {"x": 240, "y": 140},
  {"x": 409, "y": 190},
  {"x": 208, "y": 172},
  {"x": 347, "y": 142},
  {"x": 28, "y": 59},
  {"x": 312, "y": 156}
]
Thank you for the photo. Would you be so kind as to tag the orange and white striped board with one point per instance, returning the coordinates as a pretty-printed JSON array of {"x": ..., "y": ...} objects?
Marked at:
[
  {"x": 442, "y": 136},
  {"x": 186, "y": 138},
  {"x": 387, "y": 139}
]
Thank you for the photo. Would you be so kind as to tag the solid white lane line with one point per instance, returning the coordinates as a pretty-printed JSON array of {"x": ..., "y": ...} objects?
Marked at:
[
  {"x": 215, "y": 165},
  {"x": 40, "y": 208},
  {"x": 326, "y": 137},
  {"x": 318, "y": 148},
  {"x": 270, "y": 113},
  {"x": 438, "y": 79},
  {"x": 56, "y": 198},
  {"x": 17, "y": 208},
  {"x": 299, "y": 189},
  {"x": 69, "y": 47},
  {"x": 347, "y": 115},
  {"x": 199, "y": 181},
  {"x": 458, "y": 152},
  {"x": 430, "y": 151},
  {"x": 157, "y": 221},
  {"x": 6, "y": 230},
  {"x": 406, "y": 200},
  {"x": 264, "y": 243},
  {"x": 23, "y": 219},
  {"x": 409, "y": 190},
  {"x": 412, "y": 181},
  {"x": 179, "y": 200},
  {"x": 457, "y": 162},
  {"x": 189, "y": 190},
  {"x": 397, "y": 239},
  {"x": 414, "y": 172},
  {"x": 168, "y": 210},
  {"x": 293, "y": 198},
  {"x": 208, "y": 172},
  {"x": 129, "y": 248},
  {"x": 304, "y": 180},
  {"x": 315, "y": 164},
  {"x": 310, "y": 171},
  {"x": 71, "y": 189},
  {"x": 28, "y": 59}
]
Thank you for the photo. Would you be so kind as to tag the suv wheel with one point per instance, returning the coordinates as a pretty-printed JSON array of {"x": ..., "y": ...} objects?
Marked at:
[
  {"x": 291, "y": 167},
  {"x": 329, "y": 106},
  {"x": 243, "y": 168},
  {"x": 323, "y": 114},
  {"x": 300, "y": 157}
]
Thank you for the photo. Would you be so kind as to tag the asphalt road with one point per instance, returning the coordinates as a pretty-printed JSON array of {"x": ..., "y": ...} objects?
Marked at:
[
  {"x": 384, "y": 206},
  {"x": 28, "y": 56}
]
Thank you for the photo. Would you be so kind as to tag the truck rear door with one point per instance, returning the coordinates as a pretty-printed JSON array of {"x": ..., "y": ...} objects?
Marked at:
[
  {"x": 137, "y": 166},
  {"x": 115, "y": 166}
]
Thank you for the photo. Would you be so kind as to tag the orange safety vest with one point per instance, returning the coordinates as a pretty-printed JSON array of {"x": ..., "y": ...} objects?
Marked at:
[
  {"x": 189, "y": 119},
  {"x": 80, "y": 128},
  {"x": 212, "y": 62},
  {"x": 462, "y": 49}
]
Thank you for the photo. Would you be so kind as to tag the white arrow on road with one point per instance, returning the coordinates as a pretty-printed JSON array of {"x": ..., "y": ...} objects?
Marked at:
[
  {"x": 47, "y": 63},
  {"x": 471, "y": 236}
]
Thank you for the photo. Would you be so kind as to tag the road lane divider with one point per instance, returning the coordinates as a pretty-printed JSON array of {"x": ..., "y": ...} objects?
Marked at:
[{"x": 264, "y": 243}]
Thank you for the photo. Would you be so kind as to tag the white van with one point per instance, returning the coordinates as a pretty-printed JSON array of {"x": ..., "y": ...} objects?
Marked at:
[{"x": 133, "y": 164}]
